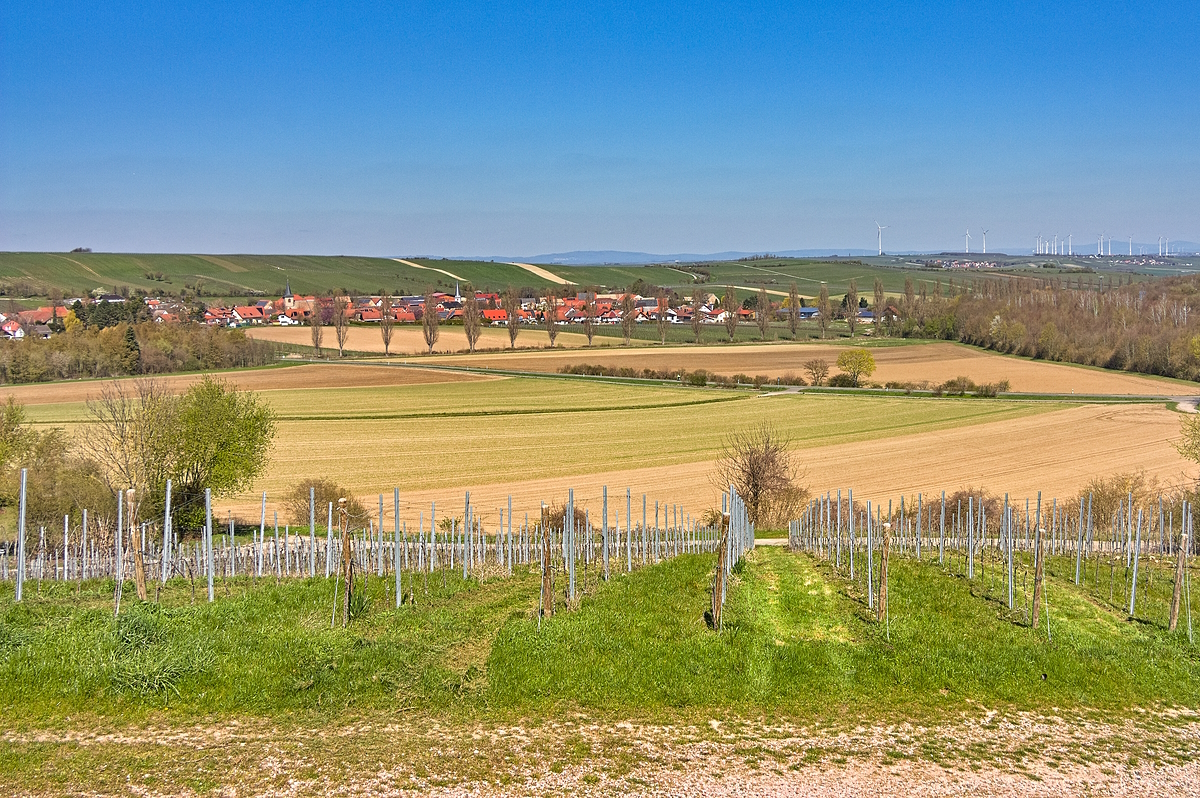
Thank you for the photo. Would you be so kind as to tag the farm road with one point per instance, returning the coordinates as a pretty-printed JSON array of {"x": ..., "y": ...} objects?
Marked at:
[
  {"x": 451, "y": 275},
  {"x": 545, "y": 274},
  {"x": 982, "y": 752}
]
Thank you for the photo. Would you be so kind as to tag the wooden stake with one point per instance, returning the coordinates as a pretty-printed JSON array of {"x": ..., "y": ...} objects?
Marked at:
[{"x": 1180, "y": 559}]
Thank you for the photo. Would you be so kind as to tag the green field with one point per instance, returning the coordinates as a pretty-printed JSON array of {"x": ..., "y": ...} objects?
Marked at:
[{"x": 248, "y": 276}]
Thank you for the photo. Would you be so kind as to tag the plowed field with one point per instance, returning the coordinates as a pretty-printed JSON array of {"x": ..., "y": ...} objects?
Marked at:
[{"x": 933, "y": 363}]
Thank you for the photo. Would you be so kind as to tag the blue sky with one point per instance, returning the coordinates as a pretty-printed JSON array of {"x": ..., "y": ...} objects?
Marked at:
[{"x": 491, "y": 129}]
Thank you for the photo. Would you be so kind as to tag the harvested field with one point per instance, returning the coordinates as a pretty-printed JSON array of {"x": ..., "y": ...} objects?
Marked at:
[
  {"x": 301, "y": 376},
  {"x": 933, "y": 363},
  {"x": 408, "y": 339}
]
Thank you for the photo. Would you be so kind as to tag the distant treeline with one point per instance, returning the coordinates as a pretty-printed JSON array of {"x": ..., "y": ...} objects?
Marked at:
[
  {"x": 123, "y": 349},
  {"x": 1146, "y": 327}
]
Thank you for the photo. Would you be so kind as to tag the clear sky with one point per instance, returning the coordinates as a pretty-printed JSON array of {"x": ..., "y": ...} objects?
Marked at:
[{"x": 489, "y": 128}]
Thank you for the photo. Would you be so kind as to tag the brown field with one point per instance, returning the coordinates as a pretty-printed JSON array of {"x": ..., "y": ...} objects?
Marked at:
[
  {"x": 300, "y": 376},
  {"x": 1056, "y": 453},
  {"x": 932, "y": 363},
  {"x": 408, "y": 339}
]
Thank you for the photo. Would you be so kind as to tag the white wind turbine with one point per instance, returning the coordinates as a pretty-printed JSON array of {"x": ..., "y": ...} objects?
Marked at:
[
  {"x": 968, "y": 242},
  {"x": 985, "y": 242},
  {"x": 881, "y": 229}
]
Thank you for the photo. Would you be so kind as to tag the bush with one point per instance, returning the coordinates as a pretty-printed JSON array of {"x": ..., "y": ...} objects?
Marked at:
[
  {"x": 841, "y": 381},
  {"x": 328, "y": 492}
]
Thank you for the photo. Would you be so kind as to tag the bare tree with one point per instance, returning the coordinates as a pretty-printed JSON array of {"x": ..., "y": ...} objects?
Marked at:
[
  {"x": 793, "y": 310},
  {"x": 589, "y": 316},
  {"x": 472, "y": 325},
  {"x": 429, "y": 322},
  {"x": 878, "y": 309},
  {"x": 762, "y": 313},
  {"x": 818, "y": 370},
  {"x": 760, "y": 466},
  {"x": 628, "y": 316},
  {"x": 551, "y": 317},
  {"x": 386, "y": 320},
  {"x": 824, "y": 311},
  {"x": 341, "y": 324},
  {"x": 730, "y": 306},
  {"x": 852, "y": 306},
  {"x": 697, "y": 322},
  {"x": 512, "y": 315},
  {"x": 131, "y": 435},
  {"x": 316, "y": 327},
  {"x": 660, "y": 317}
]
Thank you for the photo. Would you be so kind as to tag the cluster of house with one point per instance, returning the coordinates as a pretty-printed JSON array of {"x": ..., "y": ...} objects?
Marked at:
[
  {"x": 293, "y": 309},
  {"x": 296, "y": 309},
  {"x": 30, "y": 323}
]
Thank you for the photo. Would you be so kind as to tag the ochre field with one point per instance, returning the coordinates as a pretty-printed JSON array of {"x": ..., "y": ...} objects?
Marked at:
[
  {"x": 436, "y": 436},
  {"x": 408, "y": 338}
]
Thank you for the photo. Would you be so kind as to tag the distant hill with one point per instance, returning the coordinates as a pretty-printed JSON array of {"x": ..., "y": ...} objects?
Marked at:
[{"x": 607, "y": 256}]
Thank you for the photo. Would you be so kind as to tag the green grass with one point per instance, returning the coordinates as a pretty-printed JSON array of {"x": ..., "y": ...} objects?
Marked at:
[
  {"x": 797, "y": 639},
  {"x": 257, "y": 691}
]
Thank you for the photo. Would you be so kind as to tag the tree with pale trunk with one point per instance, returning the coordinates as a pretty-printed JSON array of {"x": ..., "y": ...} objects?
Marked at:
[
  {"x": 512, "y": 315},
  {"x": 472, "y": 321},
  {"x": 387, "y": 319},
  {"x": 730, "y": 306},
  {"x": 429, "y": 322}
]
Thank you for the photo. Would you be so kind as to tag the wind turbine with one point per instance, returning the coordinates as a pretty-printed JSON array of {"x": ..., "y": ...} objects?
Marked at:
[
  {"x": 881, "y": 229},
  {"x": 1070, "y": 249},
  {"x": 985, "y": 242},
  {"x": 968, "y": 240},
  {"x": 1131, "y": 246}
]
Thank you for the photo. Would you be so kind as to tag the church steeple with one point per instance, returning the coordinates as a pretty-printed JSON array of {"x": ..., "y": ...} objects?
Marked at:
[{"x": 287, "y": 288}]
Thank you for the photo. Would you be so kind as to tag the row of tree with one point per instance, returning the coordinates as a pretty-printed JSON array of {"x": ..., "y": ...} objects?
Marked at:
[{"x": 125, "y": 349}]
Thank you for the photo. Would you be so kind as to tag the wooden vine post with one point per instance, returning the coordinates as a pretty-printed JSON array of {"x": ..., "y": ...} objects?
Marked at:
[
  {"x": 347, "y": 559},
  {"x": 881, "y": 608},
  {"x": 135, "y": 540},
  {"x": 1037, "y": 574},
  {"x": 1179, "y": 567}
]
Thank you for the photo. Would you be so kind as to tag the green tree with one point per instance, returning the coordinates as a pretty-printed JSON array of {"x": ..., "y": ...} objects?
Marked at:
[
  {"x": 221, "y": 442},
  {"x": 857, "y": 363},
  {"x": 131, "y": 355},
  {"x": 852, "y": 306}
]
